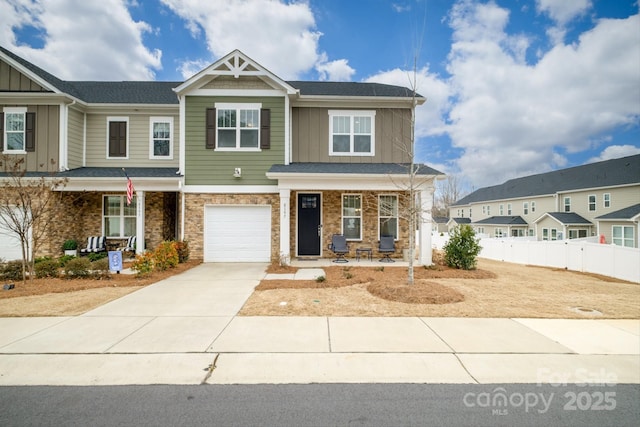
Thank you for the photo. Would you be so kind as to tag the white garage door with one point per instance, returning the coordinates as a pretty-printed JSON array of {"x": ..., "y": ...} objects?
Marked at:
[
  {"x": 237, "y": 234},
  {"x": 10, "y": 248}
]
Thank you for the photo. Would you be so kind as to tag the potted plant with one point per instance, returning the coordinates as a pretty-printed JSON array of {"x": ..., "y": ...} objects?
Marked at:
[{"x": 70, "y": 247}]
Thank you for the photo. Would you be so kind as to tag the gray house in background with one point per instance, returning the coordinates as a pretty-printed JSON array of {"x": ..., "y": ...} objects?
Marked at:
[{"x": 597, "y": 199}]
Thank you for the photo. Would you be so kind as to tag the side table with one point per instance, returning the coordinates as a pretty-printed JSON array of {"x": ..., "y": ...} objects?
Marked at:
[{"x": 368, "y": 252}]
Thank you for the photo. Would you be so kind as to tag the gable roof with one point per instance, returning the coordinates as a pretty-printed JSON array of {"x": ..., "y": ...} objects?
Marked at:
[
  {"x": 627, "y": 213},
  {"x": 503, "y": 220},
  {"x": 622, "y": 171},
  {"x": 460, "y": 220},
  {"x": 566, "y": 218}
]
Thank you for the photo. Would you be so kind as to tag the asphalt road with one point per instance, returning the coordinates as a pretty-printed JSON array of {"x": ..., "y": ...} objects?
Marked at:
[{"x": 322, "y": 405}]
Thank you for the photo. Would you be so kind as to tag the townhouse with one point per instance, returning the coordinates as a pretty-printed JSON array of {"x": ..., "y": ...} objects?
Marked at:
[{"x": 243, "y": 165}]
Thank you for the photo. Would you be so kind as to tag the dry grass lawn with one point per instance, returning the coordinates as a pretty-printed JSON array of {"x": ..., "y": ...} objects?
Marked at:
[{"x": 496, "y": 289}]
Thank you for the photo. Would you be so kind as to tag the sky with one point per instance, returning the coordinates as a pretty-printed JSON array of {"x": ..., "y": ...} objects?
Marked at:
[{"x": 513, "y": 87}]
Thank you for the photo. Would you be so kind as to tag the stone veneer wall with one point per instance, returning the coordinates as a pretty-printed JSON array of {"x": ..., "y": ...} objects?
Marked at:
[
  {"x": 194, "y": 218},
  {"x": 332, "y": 219}
]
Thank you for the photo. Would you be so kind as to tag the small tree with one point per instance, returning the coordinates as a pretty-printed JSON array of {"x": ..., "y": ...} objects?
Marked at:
[
  {"x": 27, "y": 206},
  {"x": 462, "y": 248}
]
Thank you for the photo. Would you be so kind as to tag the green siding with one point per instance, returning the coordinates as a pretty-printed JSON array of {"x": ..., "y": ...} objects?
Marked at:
[{"x": 209, "y": 167}]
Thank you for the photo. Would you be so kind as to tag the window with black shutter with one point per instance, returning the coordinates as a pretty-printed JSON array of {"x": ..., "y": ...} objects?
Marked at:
[{"x": 117, "y": 138}]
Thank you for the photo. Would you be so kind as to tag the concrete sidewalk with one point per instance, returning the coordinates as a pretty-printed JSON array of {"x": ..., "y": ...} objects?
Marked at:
[{"x": 184, "y": 330}]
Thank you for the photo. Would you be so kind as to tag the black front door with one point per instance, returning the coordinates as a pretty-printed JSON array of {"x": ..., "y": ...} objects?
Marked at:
[{"x": 309, "y": 228}]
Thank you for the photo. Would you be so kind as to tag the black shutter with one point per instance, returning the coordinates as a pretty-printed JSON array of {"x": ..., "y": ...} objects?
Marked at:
[
  {"x": 210, "y": 141},
  {"x": 30, "y": 132},
  {"x": 117, "y": 139},
  {"x": 265, "y": 129},
  {"x": 2, "y": 131}
]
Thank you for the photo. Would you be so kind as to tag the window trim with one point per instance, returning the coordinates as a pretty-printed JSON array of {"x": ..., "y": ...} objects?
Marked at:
[
  {"x": 14, "y": 110},
  {"x": 238, "y": 106},
  {"x": 622, "y": 238},
  {"x": 509, "y": 210},
  {"x": 606, "y": 200},
  {"x": 501, "y": 209},
  {"x": 397, "y": 216},
  {"x": 160, "y": 119},
  {"x": 123, "y": 202},
  {"x": 525, "y": 208},
  {"x": 533, "y": 206},
  {"x": 342, "y": 216},
  {"x": 127, "y": 148},
  {"x": 566, "y": 204},
  {"x": 351, "y": 114},
  {"x": 590, "y": 203}
]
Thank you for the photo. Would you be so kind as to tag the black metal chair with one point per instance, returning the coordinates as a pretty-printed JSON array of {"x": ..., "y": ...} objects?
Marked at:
[
  {"x": 339, "y": 247},
  {"x": 386, "y": 248}
]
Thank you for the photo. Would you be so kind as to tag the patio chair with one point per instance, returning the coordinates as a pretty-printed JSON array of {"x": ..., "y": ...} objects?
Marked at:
[
  {"x": 95, "y": 244},
  {"x": 339, "y": 247},
  {"x": 130, "y": 246},
  {"x": 386, "y": 248}
]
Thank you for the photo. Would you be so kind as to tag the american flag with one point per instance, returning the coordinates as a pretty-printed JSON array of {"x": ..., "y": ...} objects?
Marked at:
[{"x": 129, "y": 191}]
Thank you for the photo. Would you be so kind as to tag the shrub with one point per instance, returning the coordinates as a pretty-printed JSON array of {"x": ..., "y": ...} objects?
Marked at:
[
  {"x": 100, "y": 269},
  {"x": 78, "y": 268},
  {"x": 70, "y": 245},
  {"x": 321, "y": 279},
  {"x": 462, "y": 248},
  {"x": 11, "y": 270},
  {"x": 63, "y": 260},
  {"x": 165, "y": 256},
  {"x": 41, "y": 259},
  {"x": 183, "y": 250},
  {"x": 143, "y": 264},
  {"x": 47, "y": 268},
  {"x": 95, "y": 256}
]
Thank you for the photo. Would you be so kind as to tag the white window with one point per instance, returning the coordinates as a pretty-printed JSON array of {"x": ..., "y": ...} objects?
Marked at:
[
  {"x": 238, "y": 126},
  {"x": 525, "y": 208},
  {"x": 484, "y": 210},
  {"x": 592, "y": 202},
  {"x": 531, "y": 232},
  {"x": 352, "y": 216},
  {"x": 351, "y": 133},
  {"x": 533, "y": 207},
  {"x": 470, "y": 213},
  {"x": 622, "y": 235},
  {"x": 554, "y": 234},
  {"x": 388, "y": 215},
  {"x": 480, "y": 230},
  {"x": 499, "y": 232},
  {"x": 545, "y": 234},
  {"x": 508, "y": 208},
  {"x": 119, "y": 220},
  {"x": 501, "y": 209},
  {"x": 488, "y": 209},
  {"x": 14, "y": 129},
  {"x": 567, "y": 204},
  {"x": 161, "y": 138},
  {"x": 117, "y": 137},
  {"x": 606, "y": 200},
  {"x": 577, "y": 234}
]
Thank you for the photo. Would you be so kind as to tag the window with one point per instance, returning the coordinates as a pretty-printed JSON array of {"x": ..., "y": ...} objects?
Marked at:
[
  {"x": 470, "y": 212},
  {"x": 161, "y": 138},
  {"x": 117, "y": 137},
  {"x": 533, "y": 207},
  {"x": 351, "y": 133},
  {"x": 545, "y": 234},
  {"x": 622, "y": 235},
  {"x": 501, "y": 209},
  {"x": 577, "y": 234},
  {"x": 525, "y": 208},
  {"x": 17, "y": 130},
  {"x": 488, "y": 209},
  {"x": 531, "y": 232},
  {"x": 499, "y": 232},
  {"x": 606, "y": 200},
  {"x": 388, "y": 215},
  {"x": 119, "y": 219},
  {"x": 554, "y": 234},
  {"x": 567, "y": 204},
  {"x": 480, "y": 230},
  {"x": 352, "y": 216},
  {"x": 238, "y": 127},
  {"x": 508, "y": 208},
  {"x": 484, "y": 210},
  {"x": 592, "y": 202}
]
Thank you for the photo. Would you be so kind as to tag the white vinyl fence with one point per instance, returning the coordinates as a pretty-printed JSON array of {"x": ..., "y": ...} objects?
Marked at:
[{"x": 583, "y": 255}]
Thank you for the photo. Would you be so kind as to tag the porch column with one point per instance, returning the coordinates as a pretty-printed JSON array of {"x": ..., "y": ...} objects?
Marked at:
[
  {"x": 139, "y": 222},
  {"x": 285, "y": 232},
  {"x": 424, "y": 239}
]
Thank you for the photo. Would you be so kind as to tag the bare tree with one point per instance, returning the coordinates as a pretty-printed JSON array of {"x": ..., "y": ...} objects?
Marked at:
[
  {"x": 27, "y": 206},
  {"x": 448, "y": 192}
]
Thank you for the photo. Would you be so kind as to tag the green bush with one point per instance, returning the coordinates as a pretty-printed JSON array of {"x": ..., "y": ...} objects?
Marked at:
[
  {"x": 95, "y": 256},
  {"x": 41, "y": 259},
  {"x": 78, "y": 268},
  {"x": 100, "y": 269},
  {"x": 165, "y": 256},
  {"x": 183, "y": 251},
  {"x": 143, "y": 264},
  {"x": 11, "y": 270},
  {"x": 47, "y": 268},
  {"x": 462, "y": 248},
  {"x": 63, "y": 260}
]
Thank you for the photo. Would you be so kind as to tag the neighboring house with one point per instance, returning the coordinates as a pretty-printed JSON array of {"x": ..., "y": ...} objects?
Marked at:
[
  {"x": 440, "y": 224},
  {"x": 240, "y": 163},
  {"x": 596, "y": 199}
]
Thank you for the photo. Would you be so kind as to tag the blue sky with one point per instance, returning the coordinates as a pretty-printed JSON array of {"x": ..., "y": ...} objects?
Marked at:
[{"x": 514, "y": 87}]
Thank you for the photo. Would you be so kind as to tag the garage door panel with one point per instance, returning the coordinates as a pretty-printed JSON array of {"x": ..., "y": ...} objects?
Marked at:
[{"x": 237, "y": 234}]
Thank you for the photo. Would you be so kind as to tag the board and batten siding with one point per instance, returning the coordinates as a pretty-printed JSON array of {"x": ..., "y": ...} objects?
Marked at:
[
  {"x": 12, "y": 80},
  {"x": 75, "y": 138},
  {"x": 210, "y": 167},
  {"x": 310, "y": 136},
  {"x": 138, "y": 145}
]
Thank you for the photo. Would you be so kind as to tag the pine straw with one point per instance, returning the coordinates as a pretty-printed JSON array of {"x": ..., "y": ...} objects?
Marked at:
[{"x": 421, "y": 292}]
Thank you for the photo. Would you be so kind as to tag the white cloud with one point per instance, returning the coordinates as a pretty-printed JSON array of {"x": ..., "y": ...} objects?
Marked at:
[
  {"x": 615, "y": 152},
  {"x": 281, "y": 36},
  {"x": 337, "y": 71},
  {"x": 562, "y": 12},
  {"x": 511, "y": 118},
  {"x": 189, "y": 68},
  {"x": 83, "y": 40},
  {"x": 400, "y": 8}
]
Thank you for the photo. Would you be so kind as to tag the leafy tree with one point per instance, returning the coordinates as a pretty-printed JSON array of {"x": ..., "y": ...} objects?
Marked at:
[{"x": 462, "y": 248}]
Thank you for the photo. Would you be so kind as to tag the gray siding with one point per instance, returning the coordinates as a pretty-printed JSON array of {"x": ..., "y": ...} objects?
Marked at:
[
  {"x": 13, "y": 80},
  {"x": 310, "y": 136},
  {"x": 75, "y": 136}
]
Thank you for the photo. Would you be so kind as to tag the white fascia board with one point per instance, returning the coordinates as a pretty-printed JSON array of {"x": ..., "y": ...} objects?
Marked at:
[
  {"x": 354, "y": 101},
  {"x": 132, "y": 109},
  {"x": 227, "y": 189},
  {"x": 36, "y": 98},
  {"x": 232, "y": 92},
  {"x": 120, "y": 184},
  {"x": 348, "y": 181}
]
